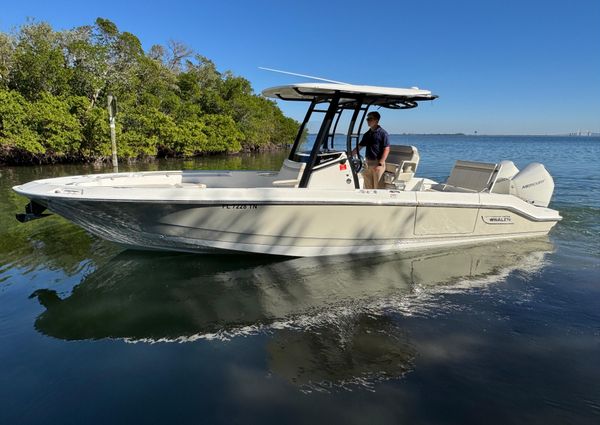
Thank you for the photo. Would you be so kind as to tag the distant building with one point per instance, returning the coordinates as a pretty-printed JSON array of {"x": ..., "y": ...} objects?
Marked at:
[{"x": 585, "y": 133}]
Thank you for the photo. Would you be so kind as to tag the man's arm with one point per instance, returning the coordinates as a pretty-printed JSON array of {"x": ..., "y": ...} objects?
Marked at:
[
  {"x": 360, "y": 145},
  {"x": 386, "y": 148},
  {"x": 386, "y": 152}
]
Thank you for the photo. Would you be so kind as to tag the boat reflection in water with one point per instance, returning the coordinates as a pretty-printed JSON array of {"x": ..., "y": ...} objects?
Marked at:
[{"x": 330, "y": 319}]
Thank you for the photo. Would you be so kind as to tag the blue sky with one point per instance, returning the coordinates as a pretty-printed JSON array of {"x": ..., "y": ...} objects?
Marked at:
[{"x": 499, "y": 66}]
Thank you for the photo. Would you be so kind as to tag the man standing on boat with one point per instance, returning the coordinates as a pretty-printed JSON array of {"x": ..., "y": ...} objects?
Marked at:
[{"x": 377, "y": 142}]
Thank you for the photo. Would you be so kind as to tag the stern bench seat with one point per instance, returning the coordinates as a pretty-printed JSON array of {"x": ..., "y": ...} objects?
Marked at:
[{"x": 470, "y": 176}]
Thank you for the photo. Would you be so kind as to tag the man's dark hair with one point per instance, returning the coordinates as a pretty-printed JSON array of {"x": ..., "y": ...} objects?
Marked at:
[{"x": 374, "y": 114}]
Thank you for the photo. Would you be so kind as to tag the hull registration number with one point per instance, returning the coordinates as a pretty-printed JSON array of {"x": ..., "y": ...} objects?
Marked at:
[{"x": 239, "y": 206}]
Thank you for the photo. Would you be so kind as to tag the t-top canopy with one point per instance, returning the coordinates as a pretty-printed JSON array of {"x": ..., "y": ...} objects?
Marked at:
[{"x": 385, "y": 96}]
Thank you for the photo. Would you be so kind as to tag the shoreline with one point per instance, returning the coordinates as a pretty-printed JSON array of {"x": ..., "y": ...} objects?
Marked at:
[{"x": 42, "y": 160}]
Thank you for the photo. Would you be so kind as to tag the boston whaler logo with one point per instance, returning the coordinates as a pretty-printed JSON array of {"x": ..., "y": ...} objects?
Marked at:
[{"x": 497, "y": 219}]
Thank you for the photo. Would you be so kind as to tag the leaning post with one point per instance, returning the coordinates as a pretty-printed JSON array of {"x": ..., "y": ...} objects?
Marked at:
[{"x": 112, "y": 115}]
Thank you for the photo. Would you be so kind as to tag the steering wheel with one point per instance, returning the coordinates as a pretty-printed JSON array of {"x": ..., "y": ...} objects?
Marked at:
[{"x": 357, "y": 162}]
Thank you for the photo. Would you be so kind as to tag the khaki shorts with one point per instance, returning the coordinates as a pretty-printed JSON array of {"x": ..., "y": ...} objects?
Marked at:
[{"x": 373, "y": 178}]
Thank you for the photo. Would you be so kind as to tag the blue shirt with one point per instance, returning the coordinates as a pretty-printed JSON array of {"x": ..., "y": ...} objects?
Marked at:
[{"x": 375, "y": 141}]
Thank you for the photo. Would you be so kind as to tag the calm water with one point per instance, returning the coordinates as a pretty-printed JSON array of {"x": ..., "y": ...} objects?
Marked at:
[{"x": 497, "y": 334}]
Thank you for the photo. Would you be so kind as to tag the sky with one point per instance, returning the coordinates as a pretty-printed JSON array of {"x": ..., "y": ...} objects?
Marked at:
[{"x": 498, "y": 66}]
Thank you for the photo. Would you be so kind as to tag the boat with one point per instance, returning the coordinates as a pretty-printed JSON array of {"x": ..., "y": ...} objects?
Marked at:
[{"x": 316, "y": 204}]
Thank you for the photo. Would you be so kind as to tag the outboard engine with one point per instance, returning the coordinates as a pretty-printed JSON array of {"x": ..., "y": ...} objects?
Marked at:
[{"x": 533, "y": 184}]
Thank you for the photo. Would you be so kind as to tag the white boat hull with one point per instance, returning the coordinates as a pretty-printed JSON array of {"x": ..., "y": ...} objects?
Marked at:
[
  {"x": 166, "y": 215},
  {"x": 291, "y": 230},
  {"x": 300, "y": 229}
]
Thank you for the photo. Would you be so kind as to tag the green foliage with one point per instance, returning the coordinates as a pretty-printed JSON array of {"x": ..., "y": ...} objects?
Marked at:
[
  {"x": 38, "y": 63},
  {"x": 285, "y": 130},
  {"x": 58, "y": 129},
  {"x": 221, "y": 134},
  {"x": 95, "y": 133},
  {"x": 16, "y": 131},
  {"x": 172, "y": 101},
  {"x": 255, "y": 118},
  {"x": 191, "y": 139},
  {"x": 6, "y": 58}
]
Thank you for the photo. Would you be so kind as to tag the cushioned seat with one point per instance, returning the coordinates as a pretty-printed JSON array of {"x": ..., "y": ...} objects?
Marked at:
[
  {"x": 469, "y": 176},
  {"x": 401, "y": 165}
]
